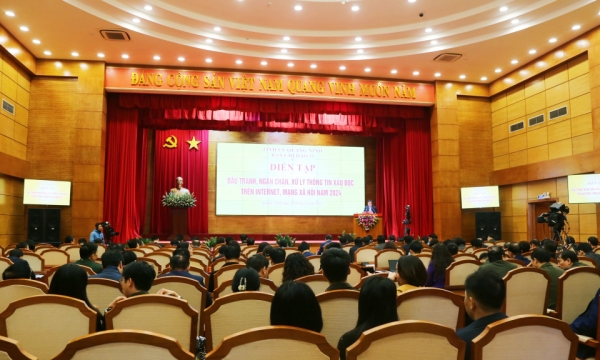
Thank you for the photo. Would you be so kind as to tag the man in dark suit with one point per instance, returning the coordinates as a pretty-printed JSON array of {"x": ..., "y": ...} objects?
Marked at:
[
  {"x": 358, "y": 243},
  {"x": 323, "y": 244},
  {"x": 370, "y": 208},
  {"x": 585, "y": 249},
  {"x": 112, "y": 266},
  {"x": 484, "y": 296},
  {"x": 180, "y": 266},
  {"x": 586, "y": 324},
  {"x": 335, "y": 264}
]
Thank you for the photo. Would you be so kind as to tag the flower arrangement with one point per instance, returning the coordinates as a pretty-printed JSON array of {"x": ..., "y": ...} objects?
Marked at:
[
  {"x": 182, "y": 201},
  {"x": 211, "y": 242},
  {"x": 367, "y": 221},
  {"x": 344, "y": 233},
  {"x": 290, "y": 240}
]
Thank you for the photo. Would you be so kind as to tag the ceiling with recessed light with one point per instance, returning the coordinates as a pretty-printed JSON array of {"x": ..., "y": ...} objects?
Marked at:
[{"x": 371, "y": 38}]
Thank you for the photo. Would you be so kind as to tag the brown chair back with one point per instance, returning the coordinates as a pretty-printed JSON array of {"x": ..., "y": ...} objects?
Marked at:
[
  {"x": 226, "y": 273},
  {"x": 431, "y": 304},
  {"x": 73, "y": 251},
  {"x": 16, "y": 289},
  {"x": 266, "y": 286},
  {"x": 102, "y": 292},
  {"x": 157, "y": 267},
  {"x": 457, "y": 273},
  {"x": 382, "y": 257},
  {"x": 55, "y": 257},
  {"x": 318, "y": 283},
  {"x": 527, "y": 291},
  {"x": 576, "y": 288},
  {"x": 36, "y": 262},
  {"x": 11, "y": 350},
  {"x": 335, "y": 322},
  {"x": 275, "y": 274}
]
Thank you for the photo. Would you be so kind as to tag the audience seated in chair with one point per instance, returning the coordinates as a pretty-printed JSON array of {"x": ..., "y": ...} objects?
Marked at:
[
  {"x": 129, "y": 257},
  {"x": 304, "y": 249},
  {"x": 87, "y": 254},
  {"x": 452, "y": 248},
  {"x": 585, "y": 249},
  {"x": 112, "y": 264},
  {"x": 484, "y": 295},
  {"x": 436, "y": 271},
  {"x": 323, "y": 244},
  {"x": 259, "y": 263},
  {"x": 358, "y": 243},
  {"x": 525, "y": 247},
  {"x": 496, "y": 262},
  {"x": 71, "y": 280},
  {"x": 410, "y": 274},
  {"x": 551, "y": 247},
  {"x": 246, "y": 279},
  {"x": 295, "y": 304},
  {"x": 379, "y": 291},
  {"x": 592, "y": 240},
  {"x": 335, "y": 264},
  {"x": 137, "y": 280},
  {"x": 277, "y": 255},
  {"x": 586, "y": 324},
  {"x": 415, "y": 248},
  {"x": 232, "y": 257},
  {"x": 568, "y": 260},
  {"x": 514, "y": 252},
  {"x": 132, "y": 243},
  {"x": 380, "y": 242},
  {"x": 180, "y": 266},
  {"x": 540, "y": 259},
  {"x": 19, "y": 266},
  {"x": 296, "y": 266}
]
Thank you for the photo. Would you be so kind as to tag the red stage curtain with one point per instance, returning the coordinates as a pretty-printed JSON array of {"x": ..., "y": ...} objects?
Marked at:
[
  {"x": 404, "y": 178},
  {"x": 122, "y": 190},
  {"x": 192, "y": 166}
]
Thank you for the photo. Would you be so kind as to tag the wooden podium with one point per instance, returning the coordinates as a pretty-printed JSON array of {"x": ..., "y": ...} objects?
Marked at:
[
  {"x": 179, "y": 223},
  {"x": 374, "y": 232}
]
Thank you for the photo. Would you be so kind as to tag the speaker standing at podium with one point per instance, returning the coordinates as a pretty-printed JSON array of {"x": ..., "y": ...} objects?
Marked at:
[
  {"x": 97, "y": 235},
  {"x": 370, "y": 208}
]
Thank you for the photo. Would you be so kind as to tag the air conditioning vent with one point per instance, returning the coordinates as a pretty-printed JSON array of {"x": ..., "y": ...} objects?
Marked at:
[
  {"x": 558, "y": 113},
  {"x": 536, "y": 120},
  {"x": 115, "y": 35},
  {"x": 517, "y": 126},
  {"x": 447, "y": 57},
  {"x": 8, "y": 107}
]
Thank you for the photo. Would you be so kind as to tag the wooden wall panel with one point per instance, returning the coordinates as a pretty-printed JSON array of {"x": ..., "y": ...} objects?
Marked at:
[{"x": 286, "y": 224}]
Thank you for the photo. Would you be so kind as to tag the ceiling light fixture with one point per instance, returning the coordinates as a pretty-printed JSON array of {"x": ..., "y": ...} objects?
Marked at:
[
  {"x": 367, "y": 69},
  {"x": 498, "y": 70},
  {"x": 286, "y": 38},
  {"x": 313, "y": 66},
  {"x": 394, "y": 71},
  {"x": 263, "y": 63},
  {"x": 428, "y": 30},
  {"x": 216, "y": 28},
  {"x": 416, "y": 73},
  {"x": 514, "y": 21},
  {"x": 125, "y": 56},
  {"x": 9, "y": 13},
  {"x": 36, "y": 41},
  {"x": 514, "y": 61},
  {"x": 483, "y": 78},
  {"x": 148, "y": 7},
  {"x": 342, "y": 67},
  {"x": 552, "y": 40},
  {"x": 437, "y": 74},
  {"x": 47, "y": 52},
  {"x": 284, "y": 50},
  {"x": 355, "y": 8},
  {"x": 24, "y": 28},
  {"x": 181, "y": 58},
  {"x": 576, "y": 27},
  {"x": 532, "y": 51},
  {"x": 360, "y": 51},
  {"x": 136, "y": 20},
  {"x": 298, "y": 7},
  {"x": 503, "y": 8},
  {"x": 239, "y": 62},
  {"x": 74, "y": 53},
  {"x": 156, "y": 57},
  {"x": 433, "y": 42},
  {"x": 411, "y": 1},
  {"x": 358, "y": 38},
  {"x": 462, "y": 76},
  {"x": 208, "y": 60},
  {"x": 100, "y": 55},
  {"x": 209, "y": 41},
  {"x": 290, "y": 64}
]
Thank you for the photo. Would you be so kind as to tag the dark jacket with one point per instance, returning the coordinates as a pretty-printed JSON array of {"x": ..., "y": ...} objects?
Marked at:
[
  {"x": 110, "y": 272},
  {"x": 186, "y": 274},
  {"x": 468, "y": 333}
]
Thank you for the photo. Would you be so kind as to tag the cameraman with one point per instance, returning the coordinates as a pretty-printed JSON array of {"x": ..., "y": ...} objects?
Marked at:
[{"x": 97, "y": 236}]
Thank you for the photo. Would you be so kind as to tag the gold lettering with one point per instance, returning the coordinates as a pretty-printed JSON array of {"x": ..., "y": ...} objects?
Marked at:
[
  {"x": 290, "y": 87},
  {"x": 412, "y": 92},
  {"x": 171, "y": 76},
  {"x": 232, "y": 82},
  {"x": 364, "y": 90},
  {"x": 142, "y": 81},
  {"x": 159, "y": 80},
  {"x": 134, "y": 78},
  {"x": 351, "y": 89}
]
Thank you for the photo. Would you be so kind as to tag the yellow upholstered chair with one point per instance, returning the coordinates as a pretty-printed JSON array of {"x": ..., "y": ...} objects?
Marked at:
[
  {"x": 36, "y": 262},
  {"x": 161, "y": 314},
  {"x": 347, "y": 248},
  {"x": 588, "y": 261},
  {"x": 465, "y": 256},
  {"x": 525, "y": 332},
  {"x": 434, "y": 305},
  {"x": 362, "y": 281},
  {"x": 12, "y": 290},
  {"x": 161, "y": 258},
  {"x": 250, "y": 250},
  {"x": 152, "y": 247},
  {"x": 101, "y": 250},
  {"x": 519, "y": 263},
  {"x": 44, "y": 324},
  {"x": 356, "y": 274},
  {"x": 576, "y": 288},
  {"x": 336, "y": 321},
  {"x": 73, "y": 251},
  {"x": 417, "y": 339},
  {"x": 266, "y": 286},
  {"x": 10, "y": 350},
  {"x": 101, "y": 292},
  {"x": 318, "y": 283},
  {"x": 201, "y": 260},
  {"x": 40, "y": 248},
  {"x": 152, "y": 262},
  {"x": 55, "y": 257},
  {"x": 125, "y": 344},
  {"x": 457, "y": 273},
  {"x": 217, "y": 265},
  {"x": 274, "y": 342},
  {"x": 382, "y": 257},
  {"x": 4, "y": 263},
  {"x": 275, "y": 274},
  {"x": 425, "y": 258},
  {"x": 365, "y": 254},
  {"x": 290, "y": 250},
  {"x": 227, "y": 273},
  {"x": 147, "y": 249},
  {"x": 526, "y": 291},
  {"x": 237, "y": 312},
  {"x": 138, "y": 252},
  {"x": 315, "y": 260},
  {"x": 188, "y": 289}
]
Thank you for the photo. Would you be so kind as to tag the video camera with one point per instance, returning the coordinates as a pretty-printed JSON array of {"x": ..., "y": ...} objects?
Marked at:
[
  {"x": 407, "y": 216},
  {"x": 109, "y": 232},
  {"x": 556, "y": 217}
]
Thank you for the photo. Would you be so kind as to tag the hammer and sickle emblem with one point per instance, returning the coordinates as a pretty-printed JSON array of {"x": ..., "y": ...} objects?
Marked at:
[{"x": 170, "y": 142}]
